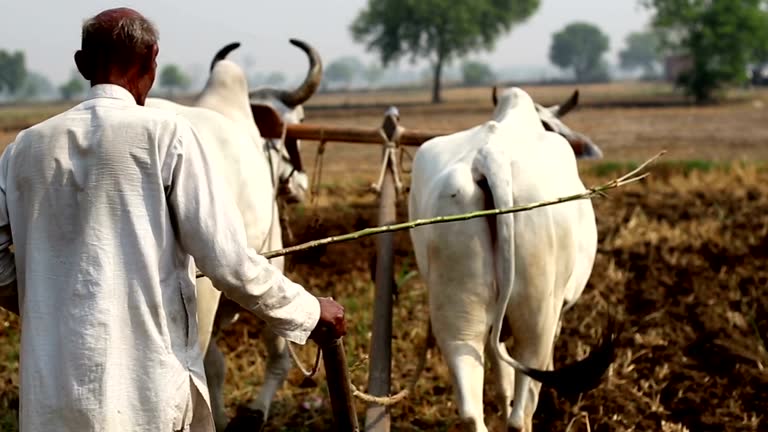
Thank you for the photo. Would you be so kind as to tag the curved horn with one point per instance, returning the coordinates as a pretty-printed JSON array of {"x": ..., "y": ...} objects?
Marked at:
[
  {"x": 311, "y": 82},
  {"x": 568, "y": 105},
  {"x": 223, "y": 53},
  {"x": 493, "y": 96}
]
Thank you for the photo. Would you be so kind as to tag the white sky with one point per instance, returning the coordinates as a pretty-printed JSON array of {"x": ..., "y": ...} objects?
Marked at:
[{"x": 190, "y": 32}]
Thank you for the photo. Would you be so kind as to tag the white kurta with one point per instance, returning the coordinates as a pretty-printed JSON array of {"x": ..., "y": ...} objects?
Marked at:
[{"x": 105, "y": 204}]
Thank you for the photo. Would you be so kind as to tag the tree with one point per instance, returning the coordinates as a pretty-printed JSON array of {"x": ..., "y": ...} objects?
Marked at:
[
  {"x": 476, "y": 73},
  {"x": 344, "y": 70},
  {"x": 374, "y": 72},
  {"x": 35, "y": 86},
  {"x": 13, "y": 71},
  {"x": 641, "y": 52},
  {"x": 580, "y": 46},
  {"x": 438, "y": 30},
  {"x": 275, "y": 79},
  {"x": 719, "y": 36},
  {"x": 172, "y": 78},
  {"x": 73, "y": 87}
]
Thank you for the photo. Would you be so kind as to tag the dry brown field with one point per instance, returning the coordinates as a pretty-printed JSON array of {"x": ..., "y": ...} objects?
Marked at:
[{"x": 681, "y": 263}]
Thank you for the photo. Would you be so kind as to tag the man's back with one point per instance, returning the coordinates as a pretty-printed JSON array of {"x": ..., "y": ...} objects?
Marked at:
[
  {"x": 105, "y": 289},
  {"x": 107, "y": 205}
]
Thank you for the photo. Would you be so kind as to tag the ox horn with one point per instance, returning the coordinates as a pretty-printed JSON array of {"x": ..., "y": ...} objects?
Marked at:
[
  {"x": 311, "y": 82},
  {"x": 493, "y": 96},
  {"x": 568, "y": 105},
  {"x": 223, "y": 53}
]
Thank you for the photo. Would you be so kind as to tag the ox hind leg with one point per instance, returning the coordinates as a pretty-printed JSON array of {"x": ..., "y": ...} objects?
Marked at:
[
  {"x": 464, "y": 357},
  {"x": 255, "y": 415},
  {"x": 278, "y": 365},
  {"x": 533, "y": 317},
  {"x": 215, "y": 373},
  {"x": 209, "y": 318},
  {"x": 460, "y": 299},
  {"x": 503, "y": 374},
  {"x": 215, "y": 363}
]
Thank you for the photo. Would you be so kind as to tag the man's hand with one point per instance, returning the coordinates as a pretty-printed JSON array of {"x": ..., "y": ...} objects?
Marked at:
[{"x": 331, "y": 324}]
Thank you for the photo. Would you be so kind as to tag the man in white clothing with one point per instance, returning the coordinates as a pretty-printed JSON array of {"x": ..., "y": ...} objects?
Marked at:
[{"x": 109, "y": 206}]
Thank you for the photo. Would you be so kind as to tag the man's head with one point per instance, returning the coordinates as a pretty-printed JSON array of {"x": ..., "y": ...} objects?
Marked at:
[{"x": 119, "y": 46}]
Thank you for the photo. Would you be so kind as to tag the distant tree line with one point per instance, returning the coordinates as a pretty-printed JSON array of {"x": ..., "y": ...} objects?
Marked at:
[
  {"x": 17, "y": 82},
  {"x": 717, "y": 41},
  {"x": 719, "y": 37}
]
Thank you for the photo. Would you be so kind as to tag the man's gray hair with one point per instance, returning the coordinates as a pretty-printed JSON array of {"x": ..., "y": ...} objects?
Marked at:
[{"x": 119, "y": 39}]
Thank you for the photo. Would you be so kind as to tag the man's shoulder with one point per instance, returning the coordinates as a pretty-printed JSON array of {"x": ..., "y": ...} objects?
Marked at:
[
  {"x": 157, "y": 116},
  {"x": 165, "y": 119},
  {"x": 52, "y": 123}
]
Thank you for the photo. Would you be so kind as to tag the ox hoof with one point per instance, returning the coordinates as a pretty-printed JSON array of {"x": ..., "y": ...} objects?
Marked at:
[{"x": 246, "y": 420}]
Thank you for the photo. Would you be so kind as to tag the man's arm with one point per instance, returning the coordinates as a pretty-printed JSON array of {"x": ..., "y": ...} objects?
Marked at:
[
  {"x": 210, "y": 228},
  {"x": 9, "y": 293}
]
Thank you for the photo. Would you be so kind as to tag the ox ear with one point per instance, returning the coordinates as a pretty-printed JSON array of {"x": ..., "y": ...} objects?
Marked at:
[
  {"x": 568, "y": 105},
  {"x": 267, "y": 120}
]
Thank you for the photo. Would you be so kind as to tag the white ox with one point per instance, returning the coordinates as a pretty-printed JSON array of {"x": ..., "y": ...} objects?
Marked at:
[
  {"x": 256, "y": 170},
  {"x": 517, "y": 272}
]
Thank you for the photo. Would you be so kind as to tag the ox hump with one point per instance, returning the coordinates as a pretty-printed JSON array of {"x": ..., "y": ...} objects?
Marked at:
[{"x": 228, "y": 74}]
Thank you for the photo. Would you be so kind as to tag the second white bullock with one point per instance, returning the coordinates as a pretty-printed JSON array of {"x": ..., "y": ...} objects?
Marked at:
[
  {"x": 256, "y": 170},
  {"x": 513, "y": 272}
]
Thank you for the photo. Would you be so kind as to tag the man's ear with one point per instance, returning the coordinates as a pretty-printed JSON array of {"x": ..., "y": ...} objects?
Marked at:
[
  {"x": 83, "y": 64},
  {"x": 147, "y": 63}
]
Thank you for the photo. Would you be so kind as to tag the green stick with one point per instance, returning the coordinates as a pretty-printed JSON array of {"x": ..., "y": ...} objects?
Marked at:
[{"x": 630, "y": 177}]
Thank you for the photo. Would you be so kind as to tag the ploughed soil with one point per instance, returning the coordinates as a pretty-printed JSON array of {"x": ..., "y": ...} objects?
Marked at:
[{"x": 681, "y": 264}]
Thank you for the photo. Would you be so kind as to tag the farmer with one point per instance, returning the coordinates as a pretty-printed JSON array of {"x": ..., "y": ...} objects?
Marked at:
[{"x": 107, "y": 204}]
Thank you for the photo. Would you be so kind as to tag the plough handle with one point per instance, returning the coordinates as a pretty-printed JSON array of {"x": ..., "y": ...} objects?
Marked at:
[{"x": 337, "y": 375}]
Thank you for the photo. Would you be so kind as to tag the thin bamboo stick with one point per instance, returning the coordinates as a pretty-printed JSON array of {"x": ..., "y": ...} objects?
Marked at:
[{"x": 630, "y": 177}]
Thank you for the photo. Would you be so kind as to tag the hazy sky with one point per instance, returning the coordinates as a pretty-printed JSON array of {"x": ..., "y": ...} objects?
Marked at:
[{"x": 190, "y": 32}]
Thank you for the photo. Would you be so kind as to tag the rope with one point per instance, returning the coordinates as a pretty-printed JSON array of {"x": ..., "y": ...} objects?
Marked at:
[
  {"x": 304, "y": 371},
  {"x": 318, "y": 171},
  {"x": 366, "y": 397},
  {"x": 404, "y": 151},
  {"x": 402, "y": 394}
]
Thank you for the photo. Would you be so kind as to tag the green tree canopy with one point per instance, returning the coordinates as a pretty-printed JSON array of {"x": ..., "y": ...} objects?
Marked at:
[
  {"x": 275, "y": 78},
  {"x": 36, "y": 85},
  {"x": 437, "y": 30},
  {"x": 476, "y": 73},
  {"x": 13, "y": 71},
  {"x": 75, "y": 86},
  {"x": 374, "y": 72},
  {"x": 173, "y": 78},
  {"x": 580, "y": 47},
  {"x": 641, "y": 52},
  {"x": 719, "y": 36}
]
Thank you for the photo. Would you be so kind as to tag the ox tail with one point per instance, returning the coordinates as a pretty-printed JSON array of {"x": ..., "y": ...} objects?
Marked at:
[{"x": 493, "y": 173}]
